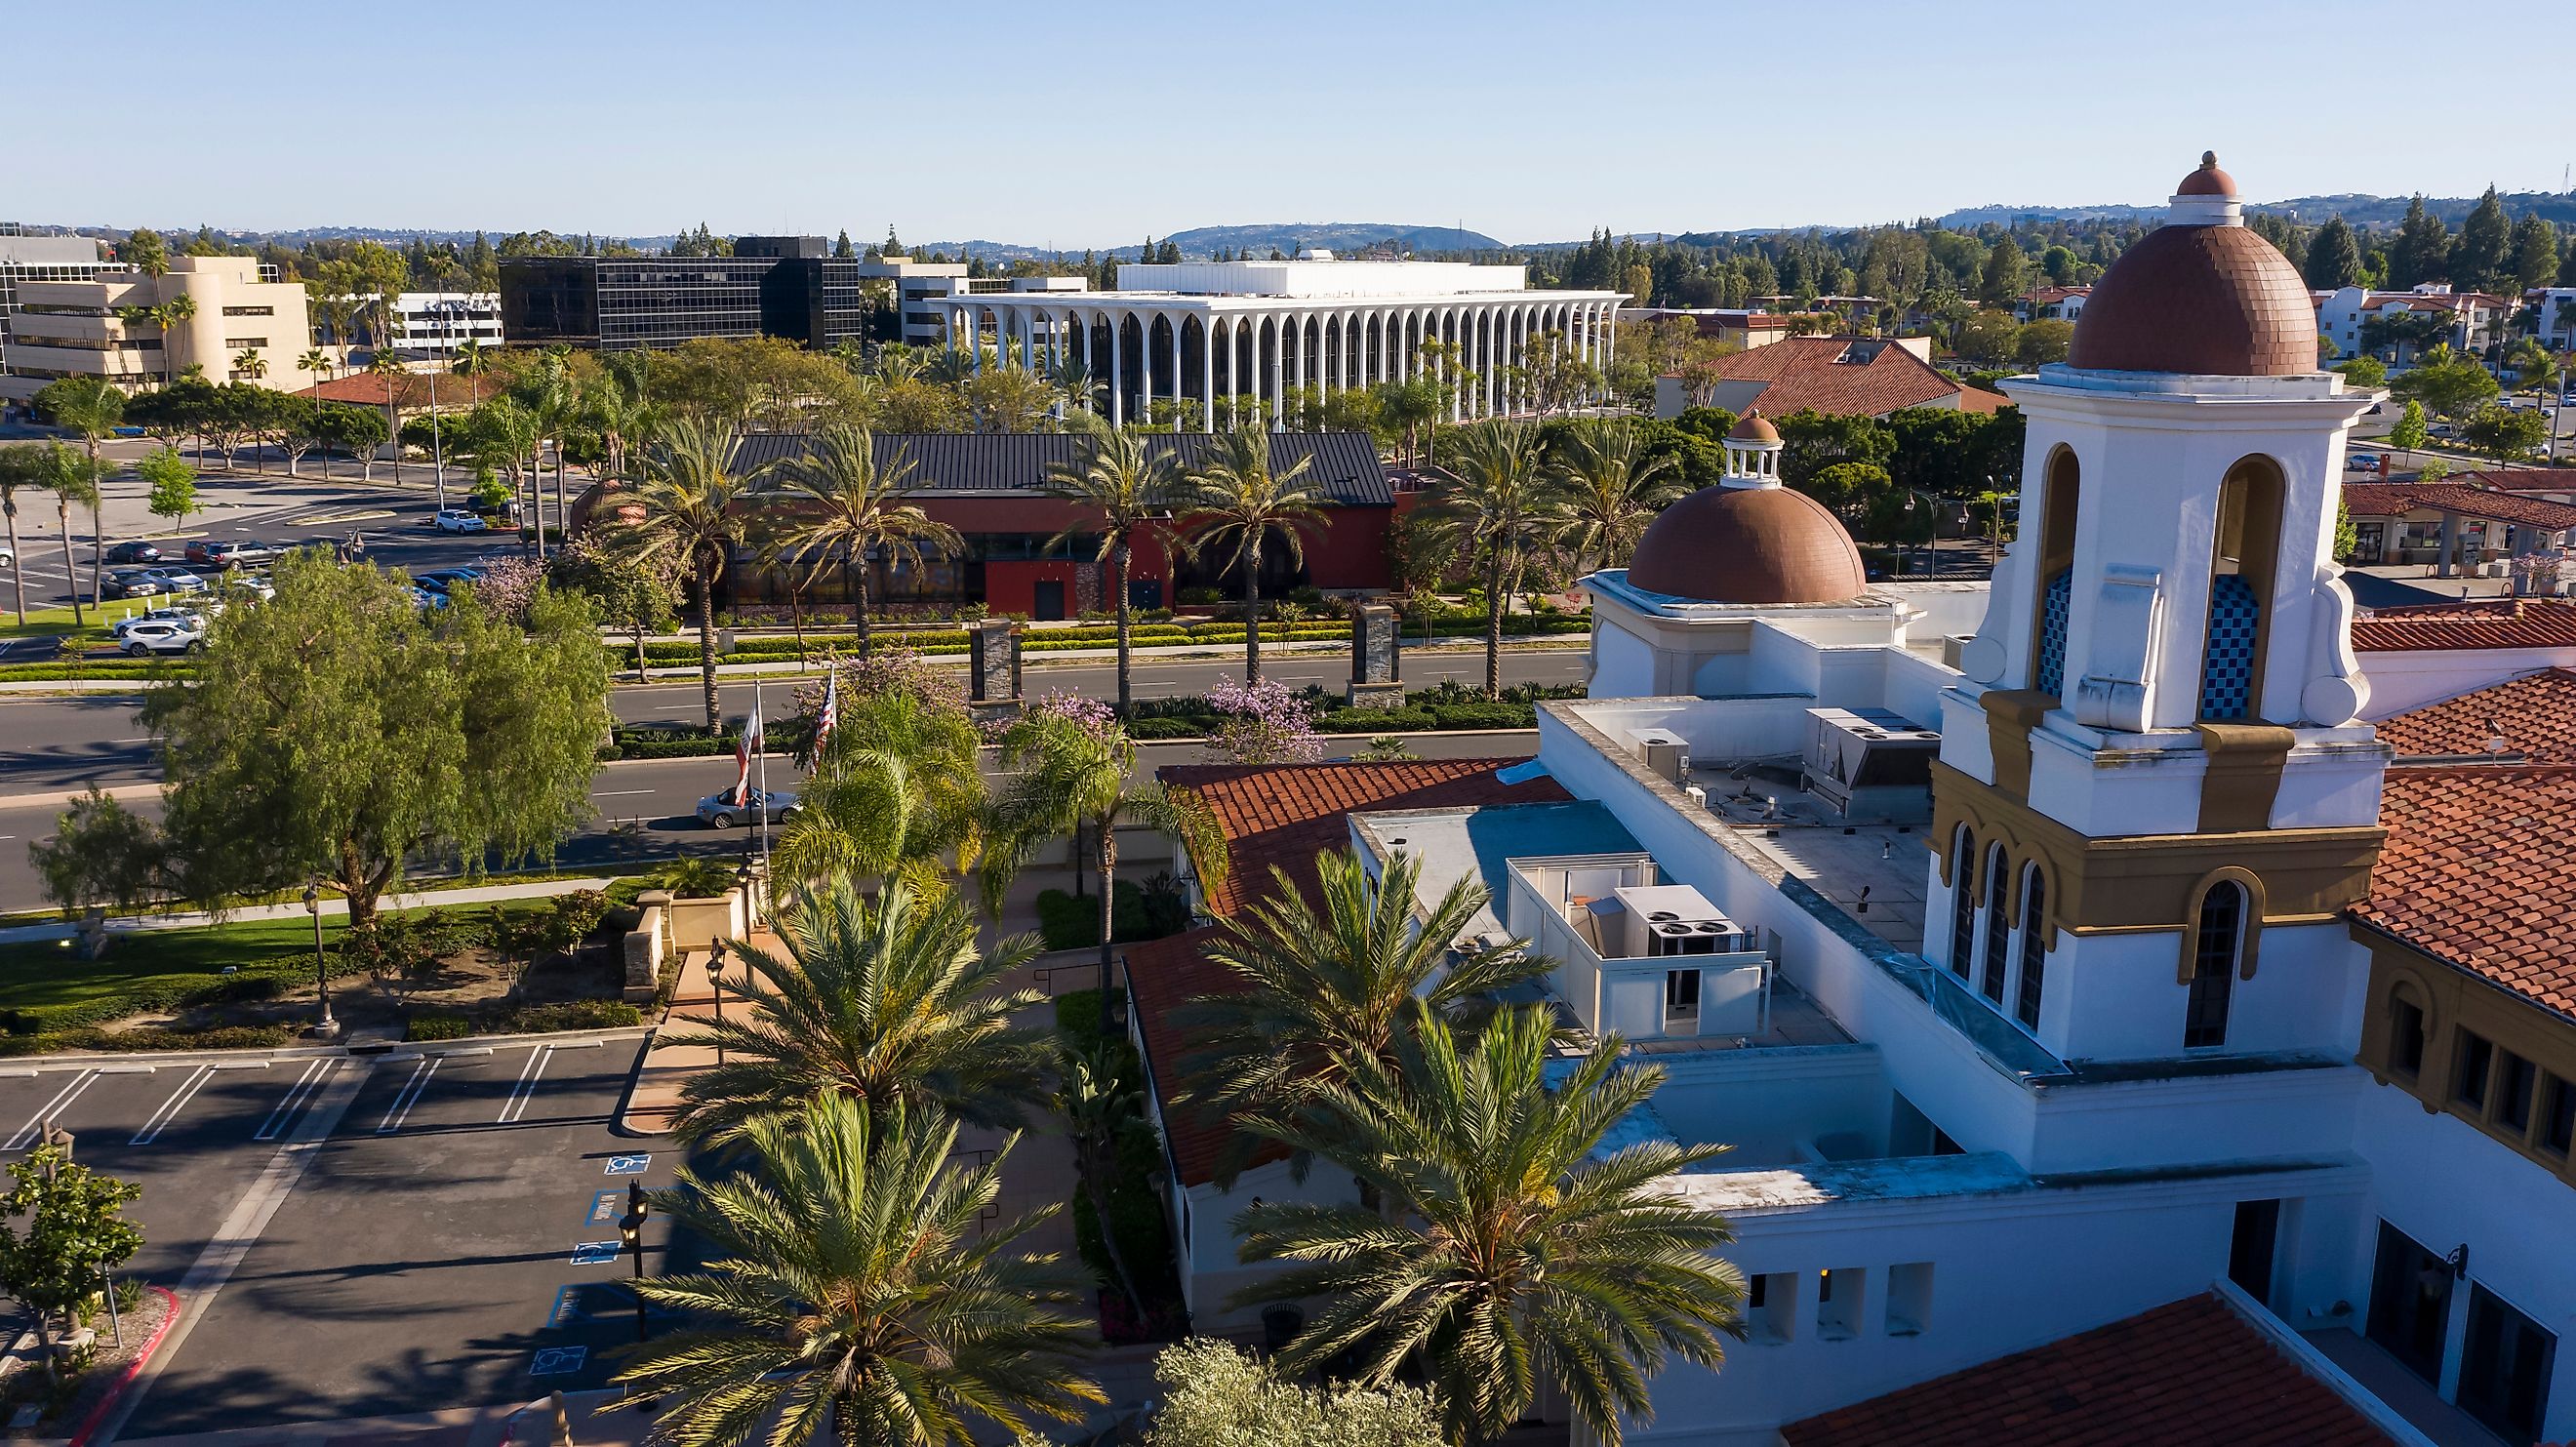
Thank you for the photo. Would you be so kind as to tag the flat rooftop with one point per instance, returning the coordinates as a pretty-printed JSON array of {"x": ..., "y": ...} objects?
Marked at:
[{"x": 1874, "y": 872}]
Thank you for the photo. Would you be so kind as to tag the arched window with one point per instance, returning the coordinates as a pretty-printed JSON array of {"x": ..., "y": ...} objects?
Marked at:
[
  {"x": 1963, "y": 902},
  {"x": 2213, "y": 966},
  {"x": 2034, "y": 948},
  {"x": 2244, "y": 555},
  {"x": 1998, "y": 926},
  {"x": 2056, "y": 573},
  {"x": 2407, "y": 1032}
]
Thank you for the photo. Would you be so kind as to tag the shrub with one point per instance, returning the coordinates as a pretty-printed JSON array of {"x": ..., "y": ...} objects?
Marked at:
[
  {"x": 437, "y": 1027},
  {"x": 568, "y": 1015},
  {"x": 1201, "y": 596},
  {"x": 1375, "y": 721},
  {"x": 1071, "y": 922},
  {"x": 1147, "y": 729},
  {"x": 1484, "y": 716}
]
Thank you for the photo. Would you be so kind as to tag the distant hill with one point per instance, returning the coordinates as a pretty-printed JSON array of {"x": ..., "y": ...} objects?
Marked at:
[
  {"x": 1205, "y": 241},
  {"x": 2357, "y": 210}
]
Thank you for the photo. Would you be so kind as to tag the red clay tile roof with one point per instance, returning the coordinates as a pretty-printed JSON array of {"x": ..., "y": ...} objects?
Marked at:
[
  {"x": 2475, "y": 873},
  {"x": 2191, "y": 1373},
  {"x": 410, "y": 390},
  {"x": 2396, "y": 499},
  {"x": 1809, "y": 372},
  {"x": 2524, "y": 479},
  {"x": 2485, "y": 623},
  {"x": 1287, "y": 814},
  {"x": 1165, "y": 975},
  {"x": 2535, "y": 715}
]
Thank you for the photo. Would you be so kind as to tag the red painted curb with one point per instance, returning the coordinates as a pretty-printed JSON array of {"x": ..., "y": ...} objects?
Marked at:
[{"x": 133, "y": 1369}]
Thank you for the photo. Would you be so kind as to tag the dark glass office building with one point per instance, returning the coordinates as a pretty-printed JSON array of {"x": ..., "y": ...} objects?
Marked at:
[{"x": 780, "y": 286}]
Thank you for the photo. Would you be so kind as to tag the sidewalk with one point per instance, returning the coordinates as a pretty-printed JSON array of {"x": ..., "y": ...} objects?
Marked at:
[{"x": 331, "y": 909}]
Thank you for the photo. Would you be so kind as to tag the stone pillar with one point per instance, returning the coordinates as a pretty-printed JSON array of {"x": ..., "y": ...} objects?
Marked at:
[
  {"x": 993, "y": 669},
  {"x": 1207, "y": 373},
  {"x": 1375, "y": 671},
  {"x": 1117, "y": 369}
]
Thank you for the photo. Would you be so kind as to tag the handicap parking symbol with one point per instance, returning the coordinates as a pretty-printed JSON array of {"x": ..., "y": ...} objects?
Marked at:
[
  {"x": 633, "y": 1165},
  {"x": 606, "y": 1208},
  {"x": 558, "y": 1361},
  {"x": 595, "y": 1253},
  {"x": 567, "y": 1309}
]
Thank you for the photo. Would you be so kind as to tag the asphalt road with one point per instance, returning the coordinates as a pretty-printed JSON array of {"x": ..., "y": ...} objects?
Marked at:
[
  {"x": 422, "y": 1257},
  {"x": 647, "y": 807},
  {"x": 50, "y": 745}
]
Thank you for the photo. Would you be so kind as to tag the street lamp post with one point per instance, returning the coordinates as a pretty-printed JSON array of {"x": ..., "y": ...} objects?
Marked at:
[
  {"x": 630, "y": 1227},
  {"x": 715, "y": 981},
  {"x": 325, "y": 1026}
]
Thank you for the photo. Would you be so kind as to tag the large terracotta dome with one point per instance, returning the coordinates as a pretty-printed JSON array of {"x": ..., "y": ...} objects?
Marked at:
[
  {"x": 1749, "y": 545},
  {"x": 2200, "y": 295}
]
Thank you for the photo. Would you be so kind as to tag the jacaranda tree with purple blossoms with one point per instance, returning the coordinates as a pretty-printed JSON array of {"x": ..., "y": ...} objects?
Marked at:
[{"x": 1263, "y": 723}]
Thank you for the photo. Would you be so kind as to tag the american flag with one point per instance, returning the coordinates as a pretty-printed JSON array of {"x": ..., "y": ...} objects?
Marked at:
[
  {"x": 831, "y": 715},
  {"x": 744, "y": 750}
]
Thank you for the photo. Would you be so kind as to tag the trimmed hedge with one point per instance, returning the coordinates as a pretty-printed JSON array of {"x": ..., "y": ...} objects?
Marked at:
[
  {"x": 566, "y": 1015},
  {"x": 437, "y": 1027},
  {"x": 90, "y": 1037}
]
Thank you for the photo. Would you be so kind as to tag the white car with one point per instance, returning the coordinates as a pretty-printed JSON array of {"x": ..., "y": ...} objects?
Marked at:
[
  {"x": 459, "y": 520},
  {"x": 173, "y": 635},
  {"x": 254, "y": 586},
  {"x": 188, "y": 617},
  {"x": 177, "y": 580}
]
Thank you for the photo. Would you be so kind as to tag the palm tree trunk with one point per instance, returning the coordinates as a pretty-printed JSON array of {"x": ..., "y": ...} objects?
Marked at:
[
  {"x": 71, "y": 570},
  {"x": 706, "y": 635},
  {"x": 1252, "y": 607},
  {"x": 1118, "y": 558},
  {"x": 1494, "y": 627},
  {"x": 563, "y": 510},
  {"x": 1096, "y": 1187},
  {"x": 97, "y": 550},
  {"x": 859, "y": 603},
  {"x": 17, "y": 577},
  {"x": 1108, "y": 919}
]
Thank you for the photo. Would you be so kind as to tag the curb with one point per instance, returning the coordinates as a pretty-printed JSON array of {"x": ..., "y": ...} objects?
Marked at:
[{"x": 107, "y": 1405}]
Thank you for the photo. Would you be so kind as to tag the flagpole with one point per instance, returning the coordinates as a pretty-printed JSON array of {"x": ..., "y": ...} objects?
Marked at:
[{"x": 764, "y": 776}]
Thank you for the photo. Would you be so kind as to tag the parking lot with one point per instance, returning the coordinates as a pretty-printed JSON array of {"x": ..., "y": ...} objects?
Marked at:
[{"x": 356, "y": 1236}]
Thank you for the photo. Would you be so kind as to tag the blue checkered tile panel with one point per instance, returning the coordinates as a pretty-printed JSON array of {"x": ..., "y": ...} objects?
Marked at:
[
  {"x": 2227, "y": 666},
  {"x": 2055, "y": 602}
]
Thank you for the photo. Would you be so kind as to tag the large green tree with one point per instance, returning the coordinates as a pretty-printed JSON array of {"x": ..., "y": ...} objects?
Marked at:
[
  {"x": 1210, "y": 1394},
  {"x": 2535, "y": 251},
  {"x": 335, "y": 733},
  {"x": 2334, "y": 257},
  {"x": 2450, "y": 383},
  {"x": 854, "y": 1293},
  {"x": 2505, "y": 434},
  {"x": 886, "y": 1002},
  {"x": 2006, "y": 272},
  {"x": 2482, "y": 257},
  {"x": 173, "y": 480},
  {"x": 1126, "y": 494},
  {"x": 93, "y": 408},
  {"x": 1508, "y": 1247},
  {"x": 897, "y": 786},
  {"x": 2422, "y": 251},
  {"x": 1612, "y": 487}
]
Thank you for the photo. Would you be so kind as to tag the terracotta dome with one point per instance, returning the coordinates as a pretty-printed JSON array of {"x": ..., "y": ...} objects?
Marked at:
[
  {"x": 2210, "y": 300},
  {"x": 1749, "y": 545},
  {"x": 1753, "y": 427},
  {"x": 2208, "y": 180}
]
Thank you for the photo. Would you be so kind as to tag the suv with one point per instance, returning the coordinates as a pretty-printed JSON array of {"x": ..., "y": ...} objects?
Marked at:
[
  {"x": 458, "y": 520},
  {"x": 217, "y": 554},
  {"x": 175, "y": 579},
  {"x": 130, "y": 554},
  {"x": 188, "y": 617},
  {"x": 145, "y": 637}
]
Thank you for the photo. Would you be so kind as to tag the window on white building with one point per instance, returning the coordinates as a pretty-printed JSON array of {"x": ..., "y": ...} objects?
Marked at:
[
  {"x": 1909, "y": 1298},
  {"x": 2557, "y": 1115},
  {"x": 1963, "y": 902},
  {"x": 2471, "y": 1075},
  {"x": 2034, "y": 948},
  {"x": 1998, "y": 927},
  {"x": 1771, "y": 1307},
  {"x": 1841, "y": 1295},
  {"x": 2213, "y": 970}
]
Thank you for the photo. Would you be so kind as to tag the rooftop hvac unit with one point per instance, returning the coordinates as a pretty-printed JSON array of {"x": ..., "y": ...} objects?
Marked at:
[
  {"x": 1870, "y": 764},
  {"x": 1665, "y": 753},
  {"x": 1672, "y": 919}
]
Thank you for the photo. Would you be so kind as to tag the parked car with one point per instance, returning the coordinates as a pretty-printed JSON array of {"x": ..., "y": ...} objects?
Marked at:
[
  {"x": 134, "y": 583},
  {"x": 171, "y": 635},
  {"x": 719, "y": 811},
  {"x": 459, "y": 520},
  {"x": 2442, "y": 429},
  {"x": 218, "y": 553},
  {"x": 8, "y": 558},
  {"x": 2361, "y": 462},
  {"x": 118, "y": 629},
  {"x": 176, "y": 579},
  {"x": 132, "y": 554},
  {"x": 254, "y": 586},
  {"x": 440, "y": 580}
]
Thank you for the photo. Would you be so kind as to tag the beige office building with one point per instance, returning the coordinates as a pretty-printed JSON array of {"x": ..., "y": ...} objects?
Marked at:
[{"x": 248, "y": 327}]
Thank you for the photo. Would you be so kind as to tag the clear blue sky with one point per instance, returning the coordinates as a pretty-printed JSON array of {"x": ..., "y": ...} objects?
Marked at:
[{"x": 1096, "y": 123}]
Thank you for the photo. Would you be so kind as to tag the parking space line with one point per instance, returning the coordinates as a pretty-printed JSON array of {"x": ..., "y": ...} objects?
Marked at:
[
  {"x": 409, "y": 1095},
  {"x": 26, "y": 1134},
  {"x": 315, "y": 1072},
  {"x": 169, "y": 1109},
  {"x": 526, "y": 1088}
]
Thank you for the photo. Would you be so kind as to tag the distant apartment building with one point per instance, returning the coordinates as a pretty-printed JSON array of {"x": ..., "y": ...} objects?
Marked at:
[
  {"x": 2052, "y": 303},
  {"x": 2470, "y": 321},
  {"x": 2554, "y": 307},
  {"x": 433, "y": 324},
  {"x": 27, "y": 256},
  {"x": 247, "y": 326},
  {"x": 790, "y": 287},
  {"x": 917, "y": 288}
]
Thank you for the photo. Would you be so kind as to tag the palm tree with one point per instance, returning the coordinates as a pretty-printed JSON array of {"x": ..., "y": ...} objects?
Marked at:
[
  {"x": 687, "y": 501},
  {"x": 1612, "y": 490},
  {"x": 385, "y": 363},
  {"x": 73, "y": 478},
  {"x": 852, "y": 507},
  {"x": 896, "y": 787},
  {"x": 501, "y": 433},
  {"x": 1100, "y": 1104},
  {"x": 885, "y": 1001},
  {"x": 92, "y": 407},
  {"x": 550, "y": 394},
  {"x": 1320, "y": 992},
  {"x": 168, "y": 316},
  {"x": 854, "y": 1294},
  {"x": 19, "y": 467},
  {"x": 1499, "y": 505},
  {"x": 1504, "y": 1249},
  {"x": 250, "y": 365},
  {"x": 1237, "y": 498},
  {"x": 619, "y": 408},
  {"x": 1125, "y": 492},
  {"x": 1068, "y": 776},
  {"x": 469, "y": 357}
]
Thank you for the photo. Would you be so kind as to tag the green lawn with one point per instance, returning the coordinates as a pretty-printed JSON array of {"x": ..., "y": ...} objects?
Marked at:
[
  {"x": 47, "y": 622},
  {"x": 45, "y": 978}
]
